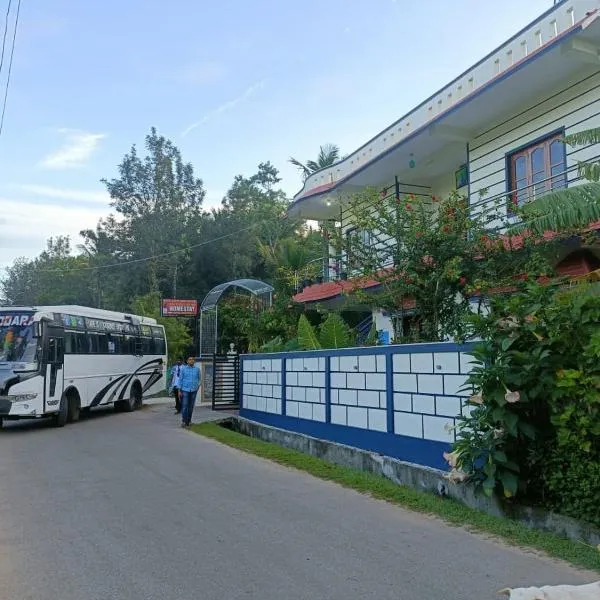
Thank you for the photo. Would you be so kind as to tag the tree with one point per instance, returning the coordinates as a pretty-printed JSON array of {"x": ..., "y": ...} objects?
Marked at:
[
  {"x": 569, "y": 210},
  {"x": 431, "y": 257},
  {"x": 54, "y": 277},
  {"x": 160, "y": 200},
  {"x": 328, "y": 155}
]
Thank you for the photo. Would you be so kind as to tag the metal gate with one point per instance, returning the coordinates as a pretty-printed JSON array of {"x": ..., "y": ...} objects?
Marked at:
[{"x": 226, "y": 382}]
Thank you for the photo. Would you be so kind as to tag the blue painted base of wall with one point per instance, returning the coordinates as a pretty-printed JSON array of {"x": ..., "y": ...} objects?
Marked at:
[{"x": 422, "y": 452}]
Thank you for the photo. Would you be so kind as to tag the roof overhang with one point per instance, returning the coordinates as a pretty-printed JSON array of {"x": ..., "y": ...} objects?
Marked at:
[{"x": 555, "y": 64}]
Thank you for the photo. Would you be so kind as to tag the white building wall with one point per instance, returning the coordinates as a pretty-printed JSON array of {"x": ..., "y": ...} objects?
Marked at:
[{"x": 575, "y": 106}]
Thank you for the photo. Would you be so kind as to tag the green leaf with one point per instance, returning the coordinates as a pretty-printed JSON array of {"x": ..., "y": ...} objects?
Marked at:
[
  {"x": 489, "y": 485},
  {"x": 334, "y": 332},
  {"x": 527, "y": 430},
  {"x": 510, "y": 483},
  {"x": 307, "y": 337},
  {"x": 511, "y": 420},
  {"x": 500, "y": 456}
]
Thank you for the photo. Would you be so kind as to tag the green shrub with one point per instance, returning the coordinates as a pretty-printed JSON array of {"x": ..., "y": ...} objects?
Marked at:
[{"x": 534, "y": 427}]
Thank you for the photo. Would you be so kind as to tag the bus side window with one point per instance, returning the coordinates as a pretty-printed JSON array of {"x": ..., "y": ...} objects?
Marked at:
[
  {"x": 102, "y": 343},
  {"x": 70, "y": 343},
  {"x": 82, "y": 346}
]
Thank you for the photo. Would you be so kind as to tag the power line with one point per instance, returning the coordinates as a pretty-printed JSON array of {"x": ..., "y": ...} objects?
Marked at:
[
  {"x": 10, "y": 62},
  {"x": 155, "y": 256},
  {"x": 5, "y": 33}
]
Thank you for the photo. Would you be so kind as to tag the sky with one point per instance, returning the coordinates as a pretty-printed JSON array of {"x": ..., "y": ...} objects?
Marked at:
[{"x": 233, "y": 83}]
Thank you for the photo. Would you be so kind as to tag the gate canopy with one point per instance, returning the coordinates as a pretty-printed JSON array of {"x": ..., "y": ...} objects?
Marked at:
[{"x": 255, "y": 287}]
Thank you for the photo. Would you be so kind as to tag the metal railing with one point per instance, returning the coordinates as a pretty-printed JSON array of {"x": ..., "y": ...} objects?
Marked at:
[{"x": 498, "y": 213}]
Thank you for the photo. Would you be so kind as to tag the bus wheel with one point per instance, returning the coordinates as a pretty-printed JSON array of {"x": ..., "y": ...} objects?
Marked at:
[
  {"x": 134, "y": 400},
  {"x": 74, "y": 407},
  {"x": 60, "y": 418}
]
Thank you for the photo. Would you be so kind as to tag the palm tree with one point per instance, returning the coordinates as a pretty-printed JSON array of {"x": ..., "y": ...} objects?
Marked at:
[
  {"x": 569, "y": 208},
  {"x": 328, "y": 155}
]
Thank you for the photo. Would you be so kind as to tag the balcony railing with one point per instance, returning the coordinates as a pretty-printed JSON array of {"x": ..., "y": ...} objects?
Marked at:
[{"x": 496, "y": 211}]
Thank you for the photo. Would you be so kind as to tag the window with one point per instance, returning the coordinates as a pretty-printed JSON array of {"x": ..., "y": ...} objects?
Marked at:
[
  {"x": 98, "y": 343},
  {"x": 76, "y": 342},
  {"x": 537, "y": 169}
]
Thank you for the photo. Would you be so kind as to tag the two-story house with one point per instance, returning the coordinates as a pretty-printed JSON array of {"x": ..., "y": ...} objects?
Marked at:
[{"x": 493, "y": 132}]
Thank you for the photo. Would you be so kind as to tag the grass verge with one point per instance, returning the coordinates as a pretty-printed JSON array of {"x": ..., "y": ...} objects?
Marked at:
[{"x": 448, "y": 510}]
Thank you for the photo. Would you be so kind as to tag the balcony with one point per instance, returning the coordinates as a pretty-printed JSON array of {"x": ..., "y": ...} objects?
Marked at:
[
  {"x": 340, "y": 275},
  {"x": 560, "y": 42}
]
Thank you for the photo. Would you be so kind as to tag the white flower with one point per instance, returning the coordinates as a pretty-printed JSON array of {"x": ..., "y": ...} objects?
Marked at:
[
  {"x": 456, "y": 476},
  {"x": 449, "y": 428},
  {"x": 476, "y": 399},
  {"x": 512, "y": 397},
  {"x": 452, "y": 458}
]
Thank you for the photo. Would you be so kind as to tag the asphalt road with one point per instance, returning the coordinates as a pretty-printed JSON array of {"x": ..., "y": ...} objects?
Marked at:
[{"x": 131, "y": 507}]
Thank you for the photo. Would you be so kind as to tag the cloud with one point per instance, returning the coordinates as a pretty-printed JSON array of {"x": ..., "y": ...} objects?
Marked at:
[
  {"x": 76, "y": 150},
  {"x": 26, "y": 226},
  {"x": 203, "y": 73},
  {"x": 47, "y": 191},
  {"x": 227, "y": 106}
]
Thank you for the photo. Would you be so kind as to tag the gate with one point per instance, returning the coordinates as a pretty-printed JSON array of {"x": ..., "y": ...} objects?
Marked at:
[{"x": 226, "y": 381}]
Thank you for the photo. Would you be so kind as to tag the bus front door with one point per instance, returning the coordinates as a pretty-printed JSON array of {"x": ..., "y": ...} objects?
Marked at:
[{"x": 54, "y": 374}]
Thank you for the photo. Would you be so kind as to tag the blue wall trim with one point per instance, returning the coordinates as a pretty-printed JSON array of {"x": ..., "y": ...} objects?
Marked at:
[
  {"x": 418, "y": 451},
  {"x": 440, "y": 347},
  {"x": 485, "y": 88}
]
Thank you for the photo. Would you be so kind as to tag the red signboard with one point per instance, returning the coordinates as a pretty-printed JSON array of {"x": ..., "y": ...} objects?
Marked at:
[{"x": 172, "y": 307}]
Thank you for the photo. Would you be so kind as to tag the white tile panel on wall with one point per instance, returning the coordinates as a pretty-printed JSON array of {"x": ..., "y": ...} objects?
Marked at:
[
  {"x": 408, "y": 424},
  {"x": 438, "y": 429},
  {"x": 405, "y": 382},
  {"x": 357, "y": 417},
  {"x": 422, "y": 362},
  {"x": 262, "y": 385},
  {"x": 401, "y": 363},
  {"x": 377, "y": 419},
  {"x": 338, "y": 415},
  {"x": 446, "y": 362}
]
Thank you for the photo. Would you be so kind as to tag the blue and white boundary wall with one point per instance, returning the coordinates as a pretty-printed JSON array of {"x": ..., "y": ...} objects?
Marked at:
[{"x": 401, "y": 401}]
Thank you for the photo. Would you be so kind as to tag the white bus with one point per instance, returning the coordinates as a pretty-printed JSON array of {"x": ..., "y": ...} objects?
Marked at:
[{"x": 56, "y": 361}]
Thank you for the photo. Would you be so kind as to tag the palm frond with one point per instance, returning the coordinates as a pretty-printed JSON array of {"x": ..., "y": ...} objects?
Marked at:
[
  {"x": 302, "y": 167},
  {"x": 328, "y": 154},
  {"x": 584, "y": 138},
  {"x": 589, "y": 170},
  {"x": 561, "y": 210}
]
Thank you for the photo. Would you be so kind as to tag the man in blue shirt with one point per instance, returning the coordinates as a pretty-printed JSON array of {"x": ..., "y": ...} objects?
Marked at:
[{"x": 189, "y": 382}]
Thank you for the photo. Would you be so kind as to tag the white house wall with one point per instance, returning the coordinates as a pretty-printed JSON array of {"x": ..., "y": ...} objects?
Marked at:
[{"x": 575, "y": 107}]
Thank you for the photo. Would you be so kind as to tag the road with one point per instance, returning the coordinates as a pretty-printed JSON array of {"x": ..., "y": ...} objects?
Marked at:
[{"x": 131, "y": 507}]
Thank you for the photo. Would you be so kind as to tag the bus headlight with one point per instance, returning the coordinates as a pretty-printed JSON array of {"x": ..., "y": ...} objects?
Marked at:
[{"x": 22, "y": 397}]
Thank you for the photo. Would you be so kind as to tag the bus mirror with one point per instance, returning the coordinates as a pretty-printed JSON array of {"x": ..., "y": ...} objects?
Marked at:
[{"x": 37, "y": 329}]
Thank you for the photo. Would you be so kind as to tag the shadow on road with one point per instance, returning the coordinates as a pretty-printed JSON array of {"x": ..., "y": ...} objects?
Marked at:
[{"x": 27, "y": 425}]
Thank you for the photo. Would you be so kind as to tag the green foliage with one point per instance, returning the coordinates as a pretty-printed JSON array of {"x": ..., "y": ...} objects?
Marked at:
[
  {"x": 307, "y": 336},
  {"x": 176, "y": 330},
  {"x": 334, "y": 333},
  {"x": 535, "y": 411},
  {"x": 372, "y": 337},
  {"x": 565, "y": 211},
  {"x": 570, "y": 481},
  {"x": 431, "y": 254}
]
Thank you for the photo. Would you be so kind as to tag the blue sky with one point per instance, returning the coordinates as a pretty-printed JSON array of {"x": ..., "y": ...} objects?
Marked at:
[{"x": 232, "y": 82}]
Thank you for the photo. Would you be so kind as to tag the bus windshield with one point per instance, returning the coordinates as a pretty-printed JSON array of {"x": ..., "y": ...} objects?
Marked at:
[{"x": 16, "y": 340}]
